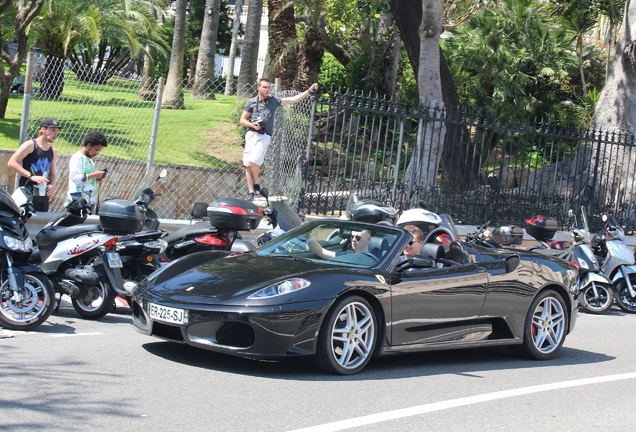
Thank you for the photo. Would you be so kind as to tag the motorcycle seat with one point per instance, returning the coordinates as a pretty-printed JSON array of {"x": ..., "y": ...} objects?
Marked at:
[
  {"x": 50, "y": 236},
  {"x": 189, "y": 231}
]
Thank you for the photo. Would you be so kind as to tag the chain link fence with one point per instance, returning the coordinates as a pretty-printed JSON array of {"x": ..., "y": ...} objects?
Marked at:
[{"x": 201, "y": 146}]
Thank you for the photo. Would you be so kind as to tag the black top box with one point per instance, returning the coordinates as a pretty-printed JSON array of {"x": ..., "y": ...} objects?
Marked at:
[
  {"x": 234, "y": 214},
  {"x": 542, "y": 227},
  {"x": 121, "y": 216}
]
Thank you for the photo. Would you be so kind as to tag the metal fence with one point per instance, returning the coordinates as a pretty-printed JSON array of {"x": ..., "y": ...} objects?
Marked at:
[
  {"x": 496, "y": 170},
  {"x": 324, "y": 149}
]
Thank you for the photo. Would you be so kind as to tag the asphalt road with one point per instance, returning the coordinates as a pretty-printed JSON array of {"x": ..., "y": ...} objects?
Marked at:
[{"x": 77, "y": 375}]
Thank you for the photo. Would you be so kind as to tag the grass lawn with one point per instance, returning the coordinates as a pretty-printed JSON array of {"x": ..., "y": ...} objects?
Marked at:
[{"x": 204, "y": 134}]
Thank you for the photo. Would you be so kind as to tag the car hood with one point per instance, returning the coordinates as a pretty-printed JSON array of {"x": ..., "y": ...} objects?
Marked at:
[{"x": 217, "y": 276}]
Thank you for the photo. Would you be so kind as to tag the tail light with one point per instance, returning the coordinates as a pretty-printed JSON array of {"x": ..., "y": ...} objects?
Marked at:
[{"x": 213, "y": 240}]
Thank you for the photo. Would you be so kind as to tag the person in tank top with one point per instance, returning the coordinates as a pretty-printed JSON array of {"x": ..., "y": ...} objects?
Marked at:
[{"x": 35, "y": 162}]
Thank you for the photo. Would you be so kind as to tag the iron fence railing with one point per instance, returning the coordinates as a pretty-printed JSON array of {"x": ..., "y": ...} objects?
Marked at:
[{"x": 496, "y": 170}]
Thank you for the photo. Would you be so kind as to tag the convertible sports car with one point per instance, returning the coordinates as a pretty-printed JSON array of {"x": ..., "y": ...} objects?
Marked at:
[{"x": 308, "y": 293}]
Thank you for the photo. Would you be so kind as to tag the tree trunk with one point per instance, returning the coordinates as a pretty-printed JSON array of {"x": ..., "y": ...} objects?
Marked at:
[
  {"x": 173, "y": 93},
  {"x": 283, "y": 57},
  {"x": 615, "y": 112},
  {"x": 147, "y": 86},
  {"x": 311, "y": 52},
  {"x": 229, "y": 77},
  {"x": 458, "y": 171},
  {"x": 204, "y": 78},
  {"x": 249, "y": 55},
  {"x": 391, "y": 54},
  {"x": 422, "y": 170}
]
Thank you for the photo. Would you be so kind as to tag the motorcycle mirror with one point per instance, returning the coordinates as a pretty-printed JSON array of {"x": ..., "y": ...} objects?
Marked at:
[{"x": 264, "y": 192}]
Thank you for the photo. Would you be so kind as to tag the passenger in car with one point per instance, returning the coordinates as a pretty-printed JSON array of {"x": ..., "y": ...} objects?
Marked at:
[
  {"x": 359, "y": 243},
  {"x": 415, "y": 245}
]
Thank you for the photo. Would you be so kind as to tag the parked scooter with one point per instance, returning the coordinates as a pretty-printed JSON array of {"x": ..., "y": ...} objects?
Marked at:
[
  {"x": 81, "y": 259},
  {"x": 596, "y": 293},
  {"x": 26, "y": 293},
  {"x": 617, "y": 263}
]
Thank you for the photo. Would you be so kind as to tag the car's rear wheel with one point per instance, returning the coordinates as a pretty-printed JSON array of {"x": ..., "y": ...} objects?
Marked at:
[
  {"x": 347, "y": 337},
  {"x": 546, "y": 326}
]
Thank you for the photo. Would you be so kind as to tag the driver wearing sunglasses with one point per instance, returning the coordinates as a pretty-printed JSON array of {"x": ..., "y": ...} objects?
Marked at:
[{"x": 359, "y": 243}]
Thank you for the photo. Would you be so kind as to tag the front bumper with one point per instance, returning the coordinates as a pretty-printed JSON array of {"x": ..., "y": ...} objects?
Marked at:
[{"x": 264, "y": 332}]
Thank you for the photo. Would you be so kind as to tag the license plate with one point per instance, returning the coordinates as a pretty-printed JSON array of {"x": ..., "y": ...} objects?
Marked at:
[
  {"x": 114, "y": 260},
  {"x": 167, "y": 314}
]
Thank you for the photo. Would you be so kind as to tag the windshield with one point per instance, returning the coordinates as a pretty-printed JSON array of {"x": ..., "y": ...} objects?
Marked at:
[
  {"x": 7, "y": 204},
  {"x": 337, "y": 242}
]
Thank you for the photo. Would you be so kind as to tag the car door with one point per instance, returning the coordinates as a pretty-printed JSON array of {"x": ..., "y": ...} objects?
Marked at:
[{"x": 429, "y": 305}]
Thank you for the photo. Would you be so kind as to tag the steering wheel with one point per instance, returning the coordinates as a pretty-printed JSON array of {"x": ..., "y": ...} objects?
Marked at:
[{"x": 430, "y": 237}]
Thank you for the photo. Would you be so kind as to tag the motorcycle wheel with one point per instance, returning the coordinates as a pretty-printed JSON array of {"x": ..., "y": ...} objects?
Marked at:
[
  {"x": 95, "y": 302},
  {"x": 34, "y": 306},
  {"x": 623, "y": 299},
  {"x": 597, "y": 299}
]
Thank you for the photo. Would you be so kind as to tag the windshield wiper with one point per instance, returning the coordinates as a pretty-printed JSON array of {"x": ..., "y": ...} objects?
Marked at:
[{"x": 294, "y": 257}]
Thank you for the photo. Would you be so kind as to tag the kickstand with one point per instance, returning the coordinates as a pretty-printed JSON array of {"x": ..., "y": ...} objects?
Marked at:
[{"x": 59, "y": 301}]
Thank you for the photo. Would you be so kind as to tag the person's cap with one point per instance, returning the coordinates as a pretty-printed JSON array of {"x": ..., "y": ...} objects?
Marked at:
[{"x": 50, "y": 122}]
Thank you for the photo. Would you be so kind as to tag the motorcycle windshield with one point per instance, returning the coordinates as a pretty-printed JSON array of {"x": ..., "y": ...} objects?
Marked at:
[{"x": 7, "y": 204}]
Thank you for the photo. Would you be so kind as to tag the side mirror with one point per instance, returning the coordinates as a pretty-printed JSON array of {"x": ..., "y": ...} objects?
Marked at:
[{"x": 264, "y": 192}]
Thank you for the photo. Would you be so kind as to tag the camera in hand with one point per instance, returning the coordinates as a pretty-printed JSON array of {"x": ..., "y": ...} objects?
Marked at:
[
  {"x": 260, "y": 121},
  {"x": 105, "y": 170}
]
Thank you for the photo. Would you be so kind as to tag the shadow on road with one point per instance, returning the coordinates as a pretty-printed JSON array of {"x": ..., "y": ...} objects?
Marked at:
[{"x": 470, "y": 362}]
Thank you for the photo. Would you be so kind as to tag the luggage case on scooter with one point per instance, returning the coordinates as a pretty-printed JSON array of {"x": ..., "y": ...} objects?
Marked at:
[
  {"x": 234, "y": 214},
  {"x": 542, "y": 227},
  {"x": 508, "y": 235},
  {"x": 121, "y": 216}
]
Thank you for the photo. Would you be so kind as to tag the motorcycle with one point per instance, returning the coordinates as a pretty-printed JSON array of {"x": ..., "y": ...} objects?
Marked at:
[
  {"x": 26, "y": 293},
  {"x": 82, "y": 260},
  {"x": 617, "y": 263},
  {"x": 596, "y": 292}
]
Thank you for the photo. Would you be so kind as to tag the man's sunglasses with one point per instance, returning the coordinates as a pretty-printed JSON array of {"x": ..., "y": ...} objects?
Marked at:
[
  {"x": 356, "y": 237},
  {"x": 413, "y": 241}
]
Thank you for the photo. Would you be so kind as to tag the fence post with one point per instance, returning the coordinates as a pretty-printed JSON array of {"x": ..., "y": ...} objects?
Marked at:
[{"x": 153, "y": 137}]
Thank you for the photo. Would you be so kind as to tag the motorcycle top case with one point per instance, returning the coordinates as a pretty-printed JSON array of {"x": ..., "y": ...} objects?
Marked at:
[
  {"x": 508, "y": 235},
  {"x": 542, "y": 227},
  {"x": 121, "y": 216},
  {"x": 373, "y": 212},
  {"x": 234, "y": 214}
]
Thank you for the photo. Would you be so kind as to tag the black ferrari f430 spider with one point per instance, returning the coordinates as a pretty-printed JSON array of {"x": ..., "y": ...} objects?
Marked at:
[{"x": 342, "y": 292}]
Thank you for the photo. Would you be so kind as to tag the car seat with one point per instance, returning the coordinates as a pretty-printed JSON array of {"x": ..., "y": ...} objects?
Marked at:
[{"x": 378, "y": 246}]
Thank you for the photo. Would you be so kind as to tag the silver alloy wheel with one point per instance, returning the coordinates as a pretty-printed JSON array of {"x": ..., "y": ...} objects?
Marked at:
[
  {"x": 548, "y": 325},
  {"x": 352, "y": 335}
]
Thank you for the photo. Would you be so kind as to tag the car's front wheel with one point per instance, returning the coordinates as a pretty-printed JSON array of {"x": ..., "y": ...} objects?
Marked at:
[
  {"x": 546, "y": 326},
  {"x": 347, "y": 337}
]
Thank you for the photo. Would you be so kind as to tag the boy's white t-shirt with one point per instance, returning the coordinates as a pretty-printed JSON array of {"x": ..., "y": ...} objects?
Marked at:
[{"x": 78, "y": 166}]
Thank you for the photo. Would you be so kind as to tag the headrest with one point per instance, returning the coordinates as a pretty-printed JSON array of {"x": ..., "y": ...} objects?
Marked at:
[{"x": 433, "y": 250}]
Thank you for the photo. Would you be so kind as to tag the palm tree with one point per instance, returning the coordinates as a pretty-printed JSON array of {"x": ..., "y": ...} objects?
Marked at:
[
  {"x": 236, "y": 26},
  {"x": 249, "y": 56},
  {"x": 204, "y": 76},
  {"x": 127, "y": 28},
  {"x": 173, "y": 93},
  {"x": 282, "y": 60},
  {"x": 60, "y": 27}
]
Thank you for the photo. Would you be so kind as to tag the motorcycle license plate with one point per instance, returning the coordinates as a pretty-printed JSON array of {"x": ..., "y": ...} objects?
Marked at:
[
  {"x": 167, "y": 314},
  {"x": 114, "y": 260}
]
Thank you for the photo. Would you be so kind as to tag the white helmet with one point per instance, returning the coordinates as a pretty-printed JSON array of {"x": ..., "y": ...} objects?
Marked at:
[{"x": 421, "y": 218}]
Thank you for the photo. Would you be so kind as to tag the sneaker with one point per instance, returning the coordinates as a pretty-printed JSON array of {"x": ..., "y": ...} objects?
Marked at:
[
  {"x": 250, "y": 196},
  {"x": 257, "y": 188}
]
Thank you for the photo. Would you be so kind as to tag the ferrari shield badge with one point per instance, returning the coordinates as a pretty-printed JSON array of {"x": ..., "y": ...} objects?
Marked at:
[{"x": 381, "y": 279}]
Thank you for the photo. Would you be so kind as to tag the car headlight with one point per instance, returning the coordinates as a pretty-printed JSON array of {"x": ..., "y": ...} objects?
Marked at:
[
  {"x": 18, "y": 245},
  {"x": 287, "y": 286}
]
